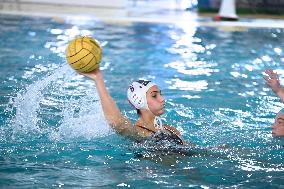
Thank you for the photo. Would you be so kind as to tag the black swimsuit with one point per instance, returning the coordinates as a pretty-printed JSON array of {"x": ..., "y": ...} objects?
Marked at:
[
  {"x": 162, "y": 143},
  {"x": 163, "y": 136}
]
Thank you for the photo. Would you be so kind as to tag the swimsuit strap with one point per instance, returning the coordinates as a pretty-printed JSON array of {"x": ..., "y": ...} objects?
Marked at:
[
  {"x": 146, "y": 128},
  {"x": 158, "y": 123}
]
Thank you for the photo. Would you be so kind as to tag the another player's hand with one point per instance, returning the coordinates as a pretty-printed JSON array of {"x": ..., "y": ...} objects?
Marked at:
[{"x": 272, "y": 80}]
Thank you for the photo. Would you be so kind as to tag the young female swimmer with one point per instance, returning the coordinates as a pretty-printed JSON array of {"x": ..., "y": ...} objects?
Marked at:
[{"x": 146, "y": 97}]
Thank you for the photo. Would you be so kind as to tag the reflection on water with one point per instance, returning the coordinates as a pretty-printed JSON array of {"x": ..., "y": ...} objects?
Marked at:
[
  {"x": 53, "y": 131},
  {"x": 188, "y": 85}
]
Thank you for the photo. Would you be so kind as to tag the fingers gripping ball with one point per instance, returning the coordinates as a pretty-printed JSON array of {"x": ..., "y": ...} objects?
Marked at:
[{"x": 84, "y": 54}]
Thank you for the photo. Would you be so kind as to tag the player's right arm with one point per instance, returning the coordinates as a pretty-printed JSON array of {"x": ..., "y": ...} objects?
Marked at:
[{"x": 111, "y": 111}]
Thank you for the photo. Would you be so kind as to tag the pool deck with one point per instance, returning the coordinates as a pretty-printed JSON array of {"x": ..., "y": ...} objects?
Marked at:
[{"x": 158, "y": 11}]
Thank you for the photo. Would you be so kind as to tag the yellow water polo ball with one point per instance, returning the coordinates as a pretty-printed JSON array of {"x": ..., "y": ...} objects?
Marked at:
[{"x": 84, "y": 54}]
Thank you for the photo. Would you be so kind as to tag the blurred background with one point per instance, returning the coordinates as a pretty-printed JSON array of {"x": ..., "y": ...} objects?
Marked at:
[{"x": 184, "y": 9}]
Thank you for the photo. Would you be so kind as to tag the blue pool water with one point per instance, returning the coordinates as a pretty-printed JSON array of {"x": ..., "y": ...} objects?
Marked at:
[{"x": 53, "y": 133}]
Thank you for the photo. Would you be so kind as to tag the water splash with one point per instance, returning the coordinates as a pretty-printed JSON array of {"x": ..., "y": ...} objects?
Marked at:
[
  {"x": 82, "y": 118},
  {"x": 61, "y": 106}
]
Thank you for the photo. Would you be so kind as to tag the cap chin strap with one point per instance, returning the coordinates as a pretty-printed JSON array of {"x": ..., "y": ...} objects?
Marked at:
[
  {"x": 145, "y": 105},
  {"x": 158, "y": 123},
  {"x": 281, "y": 111}
]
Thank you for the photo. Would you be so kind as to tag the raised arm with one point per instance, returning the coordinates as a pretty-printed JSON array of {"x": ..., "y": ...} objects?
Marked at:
[
  {"x": 272, "y": 81},
  {"x": 112, "y": 113}
]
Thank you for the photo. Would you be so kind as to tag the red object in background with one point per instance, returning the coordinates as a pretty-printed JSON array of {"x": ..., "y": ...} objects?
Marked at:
[{"x": 220, "y": 18}]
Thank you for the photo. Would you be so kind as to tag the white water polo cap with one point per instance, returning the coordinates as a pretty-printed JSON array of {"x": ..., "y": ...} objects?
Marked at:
[{"x": 136, "y": 93}]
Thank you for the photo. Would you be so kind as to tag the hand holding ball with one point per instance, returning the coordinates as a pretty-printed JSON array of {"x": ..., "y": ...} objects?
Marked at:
[{"x": 84, "y": 54}]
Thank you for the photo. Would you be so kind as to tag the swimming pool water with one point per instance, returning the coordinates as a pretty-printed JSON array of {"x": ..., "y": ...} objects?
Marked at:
[{"x": 53, "y": 133}]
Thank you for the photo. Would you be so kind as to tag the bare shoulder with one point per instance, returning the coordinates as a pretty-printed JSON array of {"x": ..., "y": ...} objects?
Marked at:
[
  {"x": 124, "y": 127},
  {"x": 133, "y": 131},
  {"x": 142, "y": 132}
]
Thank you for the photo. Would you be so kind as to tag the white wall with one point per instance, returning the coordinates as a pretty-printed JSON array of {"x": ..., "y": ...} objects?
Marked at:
[{"x": 94, "y": 3}]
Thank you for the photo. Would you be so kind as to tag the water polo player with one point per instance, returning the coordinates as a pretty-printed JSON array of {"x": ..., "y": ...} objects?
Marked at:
[
  {"x": 272, "y": 80},
  {"x": 146, "y": 97}
]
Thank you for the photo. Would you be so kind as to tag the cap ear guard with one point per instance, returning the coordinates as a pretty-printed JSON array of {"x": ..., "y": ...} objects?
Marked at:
[
  {"x": 136, "y": 93},
  {"x": 135, "y": 98}
]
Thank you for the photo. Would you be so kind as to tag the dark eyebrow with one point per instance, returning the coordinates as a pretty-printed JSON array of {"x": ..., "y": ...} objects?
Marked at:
[
  {"x": 280, "y": 119},
  {"x": 159, "y": 91}
]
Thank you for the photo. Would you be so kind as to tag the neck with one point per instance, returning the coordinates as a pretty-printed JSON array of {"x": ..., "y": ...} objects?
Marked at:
[{"x": 147, "y": 119}]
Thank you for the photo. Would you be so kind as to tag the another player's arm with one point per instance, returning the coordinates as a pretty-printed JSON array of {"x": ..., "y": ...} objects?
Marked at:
[
  {"x": 111, "y": 111},
  {"x": 272, "y": 81}
]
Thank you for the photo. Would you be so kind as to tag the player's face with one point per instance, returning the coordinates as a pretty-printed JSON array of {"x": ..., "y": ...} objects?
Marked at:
[
  {"x": 155, "y": 100},
  {"x": 278, "y": 126}
]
